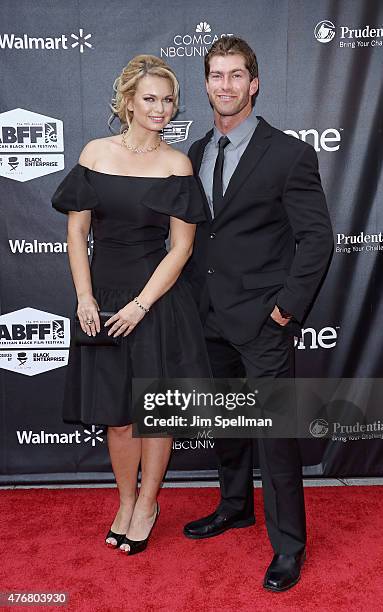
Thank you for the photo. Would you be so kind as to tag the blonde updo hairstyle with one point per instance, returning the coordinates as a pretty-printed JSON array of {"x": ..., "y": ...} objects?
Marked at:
[{"x": 125, "y": 86}]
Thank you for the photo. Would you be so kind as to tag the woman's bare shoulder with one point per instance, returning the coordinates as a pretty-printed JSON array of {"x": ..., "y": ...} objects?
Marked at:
[
  {"x": 95, "y": 149},
  {"x": 179, "y": 163}
]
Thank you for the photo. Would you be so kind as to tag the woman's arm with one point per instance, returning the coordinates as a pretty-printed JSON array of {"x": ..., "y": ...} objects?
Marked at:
[
  {"x": 77, "y": 239},
  {"x": 168, "y": 270},
  {"x": 87, "y": 307}
]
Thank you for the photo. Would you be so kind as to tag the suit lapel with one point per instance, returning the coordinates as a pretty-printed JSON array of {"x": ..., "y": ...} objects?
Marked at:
[
  {"x": 198, "y": 155},
  {"x": 196, "y": 159},
  {"x": 255, "y": 150}
]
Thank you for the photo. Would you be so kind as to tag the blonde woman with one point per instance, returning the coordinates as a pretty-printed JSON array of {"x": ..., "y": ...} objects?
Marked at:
[{"x": 132, "y": 188}]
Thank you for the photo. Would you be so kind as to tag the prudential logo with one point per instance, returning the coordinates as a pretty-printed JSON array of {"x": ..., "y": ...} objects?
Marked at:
[
  {"x": 348, "y": 37},
  {"x": 324, "y": 31},
  {"x": 319, "y": 428}
]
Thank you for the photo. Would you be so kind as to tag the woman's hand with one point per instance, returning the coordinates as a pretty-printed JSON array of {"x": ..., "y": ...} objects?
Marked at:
[
  {"x": 87, "y": 310},
  {"x": 125, "y": 320}
]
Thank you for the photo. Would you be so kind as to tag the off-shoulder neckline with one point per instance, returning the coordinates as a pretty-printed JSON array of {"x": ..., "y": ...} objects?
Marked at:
[{"x": 164, "y": 178}]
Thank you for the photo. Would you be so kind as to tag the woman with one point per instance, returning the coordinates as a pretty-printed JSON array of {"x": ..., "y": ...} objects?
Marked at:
[{"x": 133, "y": 187}]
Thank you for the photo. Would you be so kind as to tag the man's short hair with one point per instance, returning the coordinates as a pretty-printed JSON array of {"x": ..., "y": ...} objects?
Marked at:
[{"x": 230, "y": 45}]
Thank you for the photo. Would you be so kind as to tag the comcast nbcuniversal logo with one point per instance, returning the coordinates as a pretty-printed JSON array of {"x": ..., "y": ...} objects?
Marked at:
[
  {"x": 324, "y": 31},
  {"x": 194, "y": 43},
  {"x": 203, "y": 27},
  {"x": 79, "y": 40}
]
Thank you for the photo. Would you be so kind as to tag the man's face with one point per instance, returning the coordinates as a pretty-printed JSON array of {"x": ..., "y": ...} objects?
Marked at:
[{"x": 229, "y": 86}]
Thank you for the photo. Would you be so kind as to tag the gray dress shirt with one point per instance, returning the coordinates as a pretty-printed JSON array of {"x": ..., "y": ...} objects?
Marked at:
[{"x": 239, "y": 139}]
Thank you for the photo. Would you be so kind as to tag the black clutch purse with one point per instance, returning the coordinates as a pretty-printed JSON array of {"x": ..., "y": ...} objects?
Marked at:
[{"x": 101, "y": 338}]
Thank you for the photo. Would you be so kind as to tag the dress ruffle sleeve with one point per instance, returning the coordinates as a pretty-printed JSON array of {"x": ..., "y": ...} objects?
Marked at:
[
  {"x": 75, "y": 192},
  {"x": 177, "y": 196}
]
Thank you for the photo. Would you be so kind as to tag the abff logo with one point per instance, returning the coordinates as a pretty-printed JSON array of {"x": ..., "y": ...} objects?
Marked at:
[
  {"x": 30, "y": 145},
  {"x": 24, "y": 130},
  {"x": 33, "y": 341},
  {"x": 324, "y": 31}
]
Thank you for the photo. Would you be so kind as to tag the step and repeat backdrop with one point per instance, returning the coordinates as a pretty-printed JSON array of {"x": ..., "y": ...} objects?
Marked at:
[{"x": 320, "y": 66}]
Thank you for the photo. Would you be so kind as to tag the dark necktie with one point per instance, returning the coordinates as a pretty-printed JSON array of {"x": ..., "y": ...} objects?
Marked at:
[{"x": 217, "y": 178}]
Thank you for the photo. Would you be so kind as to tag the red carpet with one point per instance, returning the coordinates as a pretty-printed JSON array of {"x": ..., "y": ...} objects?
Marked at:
[{"x": 52, "y": 540}]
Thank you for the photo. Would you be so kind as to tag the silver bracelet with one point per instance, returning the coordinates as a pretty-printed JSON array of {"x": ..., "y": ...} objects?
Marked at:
[{"x": 140, "y": 305}]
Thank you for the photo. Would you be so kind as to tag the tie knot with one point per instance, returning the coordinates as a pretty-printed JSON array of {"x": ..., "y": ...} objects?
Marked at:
[{"x": 223, "y": 142}]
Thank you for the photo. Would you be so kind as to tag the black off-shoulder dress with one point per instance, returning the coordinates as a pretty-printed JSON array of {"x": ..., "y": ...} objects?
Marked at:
[{"x": 130, "y": 223}]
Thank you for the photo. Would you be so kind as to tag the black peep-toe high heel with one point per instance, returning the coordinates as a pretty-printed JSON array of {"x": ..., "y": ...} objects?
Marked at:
[
  {"x": 137, "y": 546},
  {"x": 119, "y": 537}
]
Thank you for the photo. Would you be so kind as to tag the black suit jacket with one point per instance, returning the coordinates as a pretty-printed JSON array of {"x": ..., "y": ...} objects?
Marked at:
[{"x": 272, "y": 240}]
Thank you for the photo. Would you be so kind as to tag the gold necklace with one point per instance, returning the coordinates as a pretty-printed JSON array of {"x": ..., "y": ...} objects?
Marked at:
[{"x": 139, "y": 149}]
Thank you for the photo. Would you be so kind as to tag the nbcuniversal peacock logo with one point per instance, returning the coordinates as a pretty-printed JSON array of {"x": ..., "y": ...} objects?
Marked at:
[{"x": 195, "y": 44}]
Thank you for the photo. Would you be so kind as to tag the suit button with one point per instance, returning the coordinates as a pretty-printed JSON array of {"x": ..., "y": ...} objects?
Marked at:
[
  {"x": 212, "y": 235},
  {"x": 210, "y": 271}
]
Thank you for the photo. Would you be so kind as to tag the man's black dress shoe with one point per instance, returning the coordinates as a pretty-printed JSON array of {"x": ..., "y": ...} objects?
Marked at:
[
  {"x": 284, "y": 571},
  {"x": 215, "y": 524}
]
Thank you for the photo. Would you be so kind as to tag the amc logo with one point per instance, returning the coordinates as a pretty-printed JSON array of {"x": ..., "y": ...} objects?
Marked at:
[{"x": 325, "y": 338}]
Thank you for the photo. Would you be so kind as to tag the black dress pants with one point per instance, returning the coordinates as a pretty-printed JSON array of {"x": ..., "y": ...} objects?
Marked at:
[{"x": 270, "y": 354}]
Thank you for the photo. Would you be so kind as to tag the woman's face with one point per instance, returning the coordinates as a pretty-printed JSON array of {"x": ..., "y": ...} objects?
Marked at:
[{"x": 153, "y": 102}]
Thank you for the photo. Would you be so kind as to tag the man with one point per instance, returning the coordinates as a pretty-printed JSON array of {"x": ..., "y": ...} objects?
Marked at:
[{"x": 257, "y": 265}]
